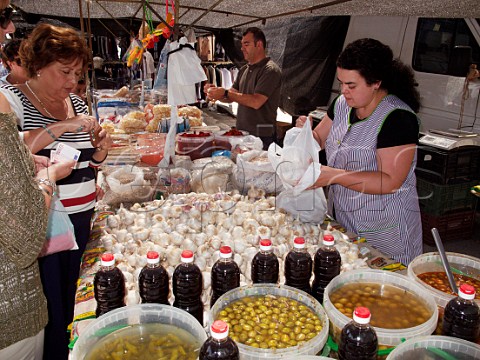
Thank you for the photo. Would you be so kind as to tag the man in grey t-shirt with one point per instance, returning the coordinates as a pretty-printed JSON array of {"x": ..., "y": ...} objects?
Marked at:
[{"x": 256, "y": 89}]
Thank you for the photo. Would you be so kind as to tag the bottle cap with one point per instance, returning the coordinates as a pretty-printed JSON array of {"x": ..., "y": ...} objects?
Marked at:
[
  {"x": 187, "y": 256},
  {"x": 265, "y": 245},
  {"x": 225, "y": 252},
  {"x": 299, "y": 243},
  {"x": 361, "y": 315},
  {"x": 219, "y": 329},
  {"x": 108, "y": 259},
  {"x": 328, "y": 240},
  {"x": 466, "y": 292},
  {"x": 153, "y": 257}
]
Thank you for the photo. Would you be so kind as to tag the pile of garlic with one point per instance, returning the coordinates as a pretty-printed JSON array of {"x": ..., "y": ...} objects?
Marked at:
[{"x": 202, "y": 223}]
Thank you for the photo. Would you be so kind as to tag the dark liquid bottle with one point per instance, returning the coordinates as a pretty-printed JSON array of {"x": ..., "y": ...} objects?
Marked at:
[
  {"x": 153, "y": 281},
  {"x": 461, "y": 318},
  {"x": 358, "y": 340},
  {"x": 265, "y": 264},
  {"x": 109, "y": 286},
  {"x": 298, "y": 266},
  {"x": 219, "y": 346},
  {"x": 187, "y": 286},
  {"x": 327, "y": 263},
  {"x": 225, "y": 274}
]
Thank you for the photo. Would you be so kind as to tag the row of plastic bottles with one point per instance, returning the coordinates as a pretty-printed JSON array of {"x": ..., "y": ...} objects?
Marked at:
[
  {"x": 298, "y": 266},
  {"x": 109, "y": 283}
]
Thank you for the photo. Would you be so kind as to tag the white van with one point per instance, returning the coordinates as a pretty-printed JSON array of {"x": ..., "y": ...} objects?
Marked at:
[{"x": 440, "y": 52}]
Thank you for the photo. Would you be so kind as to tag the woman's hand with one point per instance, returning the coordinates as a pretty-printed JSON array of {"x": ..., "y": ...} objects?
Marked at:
[
  {"x": 80, "y": 123},
  {"x": 56, "y": 171},
  {"x": 103, "y": 141},
  {"x": 301, "y": 121},
  {"x": 328, "y": 176},
  {"x": 41, "y": 162}
]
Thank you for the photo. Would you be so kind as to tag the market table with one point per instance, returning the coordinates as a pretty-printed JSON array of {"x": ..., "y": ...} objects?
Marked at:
[{"x": 85, "y": 302}]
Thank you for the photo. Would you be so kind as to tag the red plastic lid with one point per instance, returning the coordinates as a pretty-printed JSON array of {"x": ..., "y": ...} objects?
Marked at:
[
  {"x": 108, "y": 259},
  {"x": 299, "y": 243},
  {"x": 225, "y": 252},
  {"x": 466, "y": 291},
  {"x": 219, "y": 329},
  {"x": 361, "y": 315},
  {"x": 187, "y": 256},
  {"x": 153, "y": 257},
  {"x": 265, "y": 242},
  {"x": 328, "y": 239}
]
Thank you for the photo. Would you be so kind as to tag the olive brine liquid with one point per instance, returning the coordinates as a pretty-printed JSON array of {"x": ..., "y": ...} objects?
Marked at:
[
  {"x": 225, "y": 274},
  {"x": 327, "y": 264},
  {"x": 298, "y": 266},
  {"x": 265, "y": 266},
  {"x": 187, "y": 284},
  {"x": 109, "y": 286},
  {"x": 153, "y": 281}
]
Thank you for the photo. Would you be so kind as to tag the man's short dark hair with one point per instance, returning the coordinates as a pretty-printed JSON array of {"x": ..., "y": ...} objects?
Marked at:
[{"x": 258, "y": 35}]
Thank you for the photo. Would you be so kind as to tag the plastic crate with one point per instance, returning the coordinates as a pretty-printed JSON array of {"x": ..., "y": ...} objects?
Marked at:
[
  {"x": 453, "y": 226},
  {"x": 448, "y": 167},
  {"x": 438, "y": 199}
]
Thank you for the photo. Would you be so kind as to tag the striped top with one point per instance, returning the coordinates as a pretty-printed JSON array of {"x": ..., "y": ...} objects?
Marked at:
[
  {"x": 77, "y": 191},
  {"x": 390, "y": 222}
]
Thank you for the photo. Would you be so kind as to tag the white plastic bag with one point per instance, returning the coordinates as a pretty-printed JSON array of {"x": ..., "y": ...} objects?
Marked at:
[
  {"x": 254, "y": 169},
  {"x": 298, "y": 167}
]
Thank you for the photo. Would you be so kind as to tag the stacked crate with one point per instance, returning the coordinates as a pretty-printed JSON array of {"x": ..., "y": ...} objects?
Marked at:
[{"x": 444, "y": 179}]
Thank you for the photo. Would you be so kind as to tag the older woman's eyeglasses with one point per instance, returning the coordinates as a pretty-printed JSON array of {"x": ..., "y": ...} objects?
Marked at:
[{"x": 6, "y": 17}]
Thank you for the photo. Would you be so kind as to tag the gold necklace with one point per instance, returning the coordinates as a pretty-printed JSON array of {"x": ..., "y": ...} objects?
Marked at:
[{"x": 42, "y": 104}]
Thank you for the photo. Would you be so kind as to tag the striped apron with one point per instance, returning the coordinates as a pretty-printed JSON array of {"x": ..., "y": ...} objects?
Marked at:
[{"x": 390, "y": 222}]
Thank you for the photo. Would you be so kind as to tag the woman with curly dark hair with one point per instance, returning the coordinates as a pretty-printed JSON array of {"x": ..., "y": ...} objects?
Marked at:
[{"x": 370, "y": 135}]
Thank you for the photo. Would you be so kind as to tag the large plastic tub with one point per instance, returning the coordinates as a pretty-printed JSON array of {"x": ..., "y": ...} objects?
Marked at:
[
  {"x": 429, "y": 346},
  {"x": 222, "y": 139},
  {"x": 134, "y": 315},
  {"x": 386, "y": 337},
  {"x": 194, "y": 144},
  {"x": 311, "y": 347},
  {"x": 431, "y": 262}
]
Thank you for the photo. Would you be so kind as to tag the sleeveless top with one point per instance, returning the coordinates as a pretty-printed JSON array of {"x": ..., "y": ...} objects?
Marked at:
[
  {"x": 77, "y": 191},
  {"x": 389, "y": 222}
]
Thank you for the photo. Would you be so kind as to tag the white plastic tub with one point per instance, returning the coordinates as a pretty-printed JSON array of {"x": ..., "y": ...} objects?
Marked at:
[
  {"x": 311, "y": 347},
  {"x": 428, "y": 346},
  {"x": 106, "y": 324},
  {"x": 386, "y": 337}
]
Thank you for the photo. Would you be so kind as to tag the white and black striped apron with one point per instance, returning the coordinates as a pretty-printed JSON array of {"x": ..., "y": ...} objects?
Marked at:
[{"x": 390, "y": 222}]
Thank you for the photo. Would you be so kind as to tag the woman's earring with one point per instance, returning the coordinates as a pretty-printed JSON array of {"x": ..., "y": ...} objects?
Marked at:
[{"x": 38, "y": 74}]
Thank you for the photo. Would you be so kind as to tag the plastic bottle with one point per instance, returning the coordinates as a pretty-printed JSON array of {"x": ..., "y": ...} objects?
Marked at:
[
  {"x": 225, "y": 274},
  {"x": 358, "y": 340},
  {"x": 153, "y": 281},
  {"x": 187, "y": 286},
  {"x": 219, "y": 346},
  {"x": 327, "y": 263},
  {"x": 298, "y": 266},
  {"x": 109, "y": 286},
  {"x": 461, "y": 318},
  {"x": 265, "y": 264}
]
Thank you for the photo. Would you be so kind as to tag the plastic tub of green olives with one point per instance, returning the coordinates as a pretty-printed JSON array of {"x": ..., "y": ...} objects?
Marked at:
[{"x": 310, "y": 347}]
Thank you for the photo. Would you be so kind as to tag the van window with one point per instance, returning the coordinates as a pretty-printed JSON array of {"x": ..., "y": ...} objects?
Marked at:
[{"x": 444, "y": 46}]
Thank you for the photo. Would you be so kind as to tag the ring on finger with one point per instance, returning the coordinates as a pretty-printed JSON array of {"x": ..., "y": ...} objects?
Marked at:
[{"x": 80, "y": 128}]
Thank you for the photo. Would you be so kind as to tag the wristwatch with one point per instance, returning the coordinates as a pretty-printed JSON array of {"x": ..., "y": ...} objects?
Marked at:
[{"x": 225, "y": 94}]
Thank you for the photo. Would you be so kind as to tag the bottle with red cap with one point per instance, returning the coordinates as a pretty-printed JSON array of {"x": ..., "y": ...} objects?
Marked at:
[
  {"x": 265, "y": 264},
  {"x": 153, "y": 281},
  {"x": 326, "y": 266},
  {"x": 225, "y": 274},
  {"x": 219, "y": 346},
  {"x": 187, "y": 286},
  {"x": 358, "y": 339},
  {"x": 298, "y": 266},
  {"x": 109, "y": 286},
  {"x": 461, "y": 318}
]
